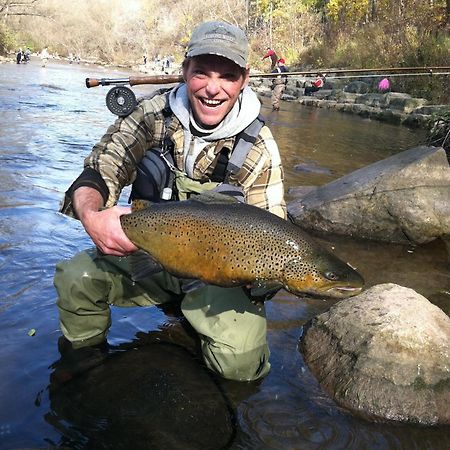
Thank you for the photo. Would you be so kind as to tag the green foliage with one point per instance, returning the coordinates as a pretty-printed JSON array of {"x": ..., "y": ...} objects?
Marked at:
[
  {"x": 307, "y": 33},
  {"x": 7, "y": 40}
]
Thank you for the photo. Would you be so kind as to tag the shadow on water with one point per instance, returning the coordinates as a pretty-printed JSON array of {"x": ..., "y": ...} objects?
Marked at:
[
  {"x": 151, "y": 392},
  {"x": 150, "y": 396}
]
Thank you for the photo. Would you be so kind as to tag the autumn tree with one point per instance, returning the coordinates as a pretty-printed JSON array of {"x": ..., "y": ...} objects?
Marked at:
[{"x": 346, "y": 33}]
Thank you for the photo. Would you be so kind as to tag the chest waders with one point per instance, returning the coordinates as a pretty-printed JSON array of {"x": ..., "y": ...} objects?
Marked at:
[
  {"x": 231, "y": 328},
  {"x": 159, "y": 180}
]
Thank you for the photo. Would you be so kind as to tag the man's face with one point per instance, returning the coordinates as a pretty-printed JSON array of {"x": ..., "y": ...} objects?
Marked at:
[{"x": 213, "y": 85}]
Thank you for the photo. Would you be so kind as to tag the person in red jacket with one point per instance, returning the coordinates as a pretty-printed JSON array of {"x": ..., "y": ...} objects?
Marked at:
[
  {"x": 273, "y": 57},
  {"x": 316, "y": 85}
]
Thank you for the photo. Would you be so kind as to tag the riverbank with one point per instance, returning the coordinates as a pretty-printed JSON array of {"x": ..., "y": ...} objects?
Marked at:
[
  {"x": 355, "y": 97},
  {"x": 361, "y": 98}
]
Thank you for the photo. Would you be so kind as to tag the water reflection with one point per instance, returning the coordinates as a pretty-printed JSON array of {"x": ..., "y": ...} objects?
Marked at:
[
  {"x": 49, "y": 123},
  {"x": 155, "y": 395},
  {"x": 333, "y": 141}
]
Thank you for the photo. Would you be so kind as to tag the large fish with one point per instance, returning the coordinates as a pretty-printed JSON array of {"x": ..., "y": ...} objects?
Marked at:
[{"x": 220, "y": 241}]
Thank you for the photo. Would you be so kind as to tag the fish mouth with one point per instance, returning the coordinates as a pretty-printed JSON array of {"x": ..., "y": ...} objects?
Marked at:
[
  {"x": 343, "y": 291},
  {"x": 336, "y": 292}
]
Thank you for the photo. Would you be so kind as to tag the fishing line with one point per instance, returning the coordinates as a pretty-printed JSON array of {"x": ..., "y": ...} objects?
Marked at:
[{"x": 336, "y": 77}]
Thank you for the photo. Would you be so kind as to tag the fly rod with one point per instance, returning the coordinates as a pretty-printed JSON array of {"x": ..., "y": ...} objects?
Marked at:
[
  {"x": 121, "y": 100},
  {"x": 169, "y": 79}
]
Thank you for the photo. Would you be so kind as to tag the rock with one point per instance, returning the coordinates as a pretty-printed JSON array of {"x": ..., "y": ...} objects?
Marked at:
[
  {"x": 288, "y": 97},
  {"x": 373, "y": 100},
  {"x": 344, "y": 97},
  {"x": 432, "y": 109},
  {"x": 393, "y": 107},
  {"x": 384, "y": 354},
  {"x": 357, "y": 87},
  {"x": 401, "y": 199},
  {"x": 404, "y": 102},
  {"x": 312, "y": 168},
  {"x": 416, "y": 120},
  {"x": 300, "y": 191},
  {"x": 323, "y": 93},
  {"x": 390, "y": 115}
]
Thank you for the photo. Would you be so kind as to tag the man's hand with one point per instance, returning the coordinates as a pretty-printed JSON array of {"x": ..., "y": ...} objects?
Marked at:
[
  {"x": 103, "y": 226},
  {"x": 106, "y": 232}
]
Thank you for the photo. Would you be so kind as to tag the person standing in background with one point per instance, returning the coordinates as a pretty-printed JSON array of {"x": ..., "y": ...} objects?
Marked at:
[
  {"x": 273, "y": 58},
  {"x": 278, "y": 84},
  {"x": 44, "y": 56},
  {"x": 19, "y": 56}
]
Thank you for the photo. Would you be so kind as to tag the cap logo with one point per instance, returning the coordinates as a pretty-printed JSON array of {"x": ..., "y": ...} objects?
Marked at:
[{"x": 220, "y": 33}]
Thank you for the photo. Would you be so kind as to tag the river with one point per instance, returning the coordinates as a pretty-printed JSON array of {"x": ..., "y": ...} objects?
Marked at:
[{"x": 151, "y": 392}]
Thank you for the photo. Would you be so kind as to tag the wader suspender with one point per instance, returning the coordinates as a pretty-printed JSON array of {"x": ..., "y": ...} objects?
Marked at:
[
  {"x": 244, "y": 141},
  {"x": 242, "y": 145}
]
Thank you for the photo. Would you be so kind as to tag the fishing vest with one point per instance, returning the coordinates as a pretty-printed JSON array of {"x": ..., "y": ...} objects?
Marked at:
[
  {"x": 159, "y": 180},
  {"x": 280, "y": 79}
]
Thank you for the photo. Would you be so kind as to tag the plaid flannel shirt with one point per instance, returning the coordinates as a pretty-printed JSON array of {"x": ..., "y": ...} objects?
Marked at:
[{"x": 112, "y": 163}]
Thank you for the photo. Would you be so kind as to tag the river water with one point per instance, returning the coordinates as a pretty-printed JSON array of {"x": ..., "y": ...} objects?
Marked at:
[{"x": 151, "y": 392}]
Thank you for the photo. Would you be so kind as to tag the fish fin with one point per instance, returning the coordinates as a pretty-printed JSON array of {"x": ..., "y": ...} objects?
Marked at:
[
  {"x": 188, "y": 285},
  {"x": 265, "y": 289},
  {"x": 214, "y": 197},
  {"x": 140, "y": 204},
  {"x": 143, "y": 265}
]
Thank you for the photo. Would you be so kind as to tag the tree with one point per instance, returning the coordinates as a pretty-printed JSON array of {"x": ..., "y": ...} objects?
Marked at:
[{"x": 16, "y": 8}]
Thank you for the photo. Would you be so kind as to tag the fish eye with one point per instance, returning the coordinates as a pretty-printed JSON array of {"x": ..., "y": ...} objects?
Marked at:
[{"x": 332, "y": 276}]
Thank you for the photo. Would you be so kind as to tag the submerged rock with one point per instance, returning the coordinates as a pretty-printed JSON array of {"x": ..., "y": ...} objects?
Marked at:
[
  {"x": 401, "y": 199},
  {"x": 384, "y": 354},
  {"x": 312, "y": 168}
]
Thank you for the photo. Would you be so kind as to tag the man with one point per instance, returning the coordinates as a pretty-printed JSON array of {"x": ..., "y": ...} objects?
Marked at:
[
  {"x": 44, "y": 56},
  {"x": 19, "y": 56},
  {"x": 273, "y": 58},
  {"x": 197, "y": 124},
  {"x": 27, "y": 55},
  {"x": 316, "y": 85},
  {"x": 278, "y": 84}
]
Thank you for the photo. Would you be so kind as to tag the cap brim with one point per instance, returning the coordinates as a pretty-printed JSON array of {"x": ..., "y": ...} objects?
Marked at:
[{"x": 241, "y": 62}]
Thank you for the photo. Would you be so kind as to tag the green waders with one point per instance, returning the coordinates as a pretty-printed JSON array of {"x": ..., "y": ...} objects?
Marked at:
[{"x": 231, "y": 328}]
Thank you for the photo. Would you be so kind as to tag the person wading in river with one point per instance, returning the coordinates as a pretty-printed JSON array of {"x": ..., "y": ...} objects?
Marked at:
[
  {"x": 198, "y": 125},
  {"x": 278, "y": 84}
]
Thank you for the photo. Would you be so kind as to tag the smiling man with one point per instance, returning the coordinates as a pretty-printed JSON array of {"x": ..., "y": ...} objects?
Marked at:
[{"x": 203, "y": 134}]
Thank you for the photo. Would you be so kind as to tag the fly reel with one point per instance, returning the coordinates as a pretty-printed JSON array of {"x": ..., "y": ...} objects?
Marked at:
[{"x": 121, "y": 100}]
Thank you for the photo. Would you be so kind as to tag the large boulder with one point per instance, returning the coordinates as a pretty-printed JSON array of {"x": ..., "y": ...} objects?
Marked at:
[
  {"x": 402, "y": 199},
  {"x": 404, "y": 102},
  {"x": 383, "y": 354}
]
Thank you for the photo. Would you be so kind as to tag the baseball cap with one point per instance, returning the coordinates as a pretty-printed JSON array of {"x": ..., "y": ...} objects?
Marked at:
[
  {"x": 219, "y": 38},
  {"x": 281, "y": 61}
]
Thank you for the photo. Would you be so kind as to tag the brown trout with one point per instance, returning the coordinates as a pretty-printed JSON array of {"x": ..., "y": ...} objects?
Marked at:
[{"x": 220, "y": 241}]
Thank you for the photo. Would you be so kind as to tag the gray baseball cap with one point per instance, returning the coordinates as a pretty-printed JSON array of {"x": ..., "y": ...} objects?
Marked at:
[{"x": 219, "y": 38}]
